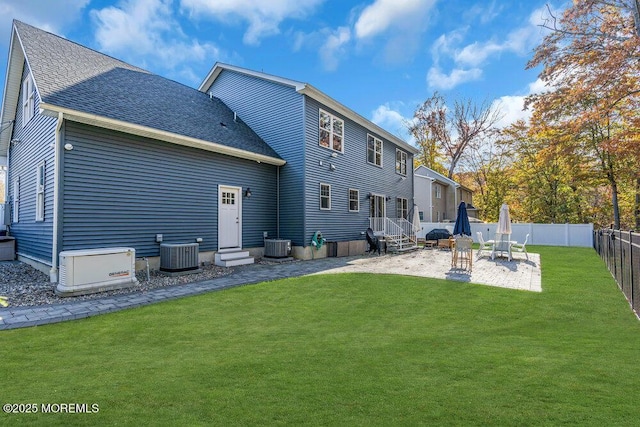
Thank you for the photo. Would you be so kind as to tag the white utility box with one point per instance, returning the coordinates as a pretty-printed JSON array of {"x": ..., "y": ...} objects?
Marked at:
[{"x": 89, "y": 271}]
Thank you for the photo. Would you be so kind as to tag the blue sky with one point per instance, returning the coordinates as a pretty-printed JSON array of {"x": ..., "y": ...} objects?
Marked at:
[{"x": 381, "y": 58}]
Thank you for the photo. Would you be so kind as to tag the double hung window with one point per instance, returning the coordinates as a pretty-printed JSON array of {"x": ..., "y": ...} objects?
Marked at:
[
  {"x": 374, "y": 151},
  {"x": 401, "y": 162},
  {"x": 16, "y": 200},
  {"x": 402, "y": 208},
  {"x": 40, "y": 179},
  {"x": 331, "y": 131},
  {"x": 325, "y": 197},
  {"x": 354, "y": 200},
  {"x": 28, "y": 102}
]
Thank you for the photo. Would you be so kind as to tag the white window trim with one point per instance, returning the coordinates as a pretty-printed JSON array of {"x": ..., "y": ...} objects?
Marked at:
[
  {"x": 333, "y": 118},
  {"x": 357, "y": 200},
  {"x": 16, "y": 201},
  {"x": 403, "y": 160},
  {"x": 374, "y": 150},
  {"x": 40, "y": 183},
  {"x": 402, "y": 201},
  {"x": 322, "y": 184},
  {"x": 28, "y": 102}
]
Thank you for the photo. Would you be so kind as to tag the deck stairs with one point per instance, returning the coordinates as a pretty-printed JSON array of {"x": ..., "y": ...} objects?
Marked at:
[{"x": 398, "y": 233}]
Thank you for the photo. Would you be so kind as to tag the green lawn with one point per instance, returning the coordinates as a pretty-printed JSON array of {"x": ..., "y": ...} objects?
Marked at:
[{"x": 349, "y": 349}]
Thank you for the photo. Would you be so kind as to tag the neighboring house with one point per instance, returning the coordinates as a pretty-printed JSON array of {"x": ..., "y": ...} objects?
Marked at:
[
  {"x": 342, "y": 170},
  {"x": 104, "y": 154},
  {"x": 438, "y": 197}
]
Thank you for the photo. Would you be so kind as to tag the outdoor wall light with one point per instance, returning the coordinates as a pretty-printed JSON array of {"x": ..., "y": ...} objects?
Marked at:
[
  {"x": 369, "y": 195},
  {"x": 68, "y": 147},
  {"x": 334, "y": 154},
  {"x": 388, "y": 198},
  {"x": 247, "y": 193},
  {"x": 332, "y": 167}
]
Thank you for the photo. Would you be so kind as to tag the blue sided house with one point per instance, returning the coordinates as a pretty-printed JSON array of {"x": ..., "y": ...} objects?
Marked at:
[{"x": 102, "y": 154}]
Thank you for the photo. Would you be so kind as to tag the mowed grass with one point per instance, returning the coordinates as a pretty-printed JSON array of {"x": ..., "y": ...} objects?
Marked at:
[{"x": 352, "y": 349}]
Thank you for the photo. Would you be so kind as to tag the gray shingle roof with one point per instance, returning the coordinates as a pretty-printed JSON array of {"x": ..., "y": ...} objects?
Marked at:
[{"x": 72, "y": 76}]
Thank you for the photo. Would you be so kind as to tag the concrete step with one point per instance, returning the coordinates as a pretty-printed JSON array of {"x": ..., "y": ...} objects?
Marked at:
[
  {"x": 232, "y": 259},
  {"x": 227, "y": 256}
]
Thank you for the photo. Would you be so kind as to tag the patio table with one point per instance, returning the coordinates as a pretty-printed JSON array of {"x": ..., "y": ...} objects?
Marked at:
[{"x": 502, "y": 246}]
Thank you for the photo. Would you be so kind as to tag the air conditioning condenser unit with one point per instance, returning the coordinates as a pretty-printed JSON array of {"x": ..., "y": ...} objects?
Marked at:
[
  {"x": 277, "y": 248},
  {"x": 177, "y": 259},
  {"x": 89, "y": 271}
]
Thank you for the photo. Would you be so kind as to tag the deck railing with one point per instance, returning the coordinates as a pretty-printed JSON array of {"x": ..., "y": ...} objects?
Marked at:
[{"x": 397, "y": 228}]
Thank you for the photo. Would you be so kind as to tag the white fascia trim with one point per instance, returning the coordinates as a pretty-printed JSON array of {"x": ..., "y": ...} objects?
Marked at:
[
  {"x": 219, "y": 66},
  {"x": 312, "y": 92},
  {"x": 104, "y": 122},
  {"x": 438, "y": 176},
  {"x": 12, "y": 85},
  {"x": 324, "y": 99}
]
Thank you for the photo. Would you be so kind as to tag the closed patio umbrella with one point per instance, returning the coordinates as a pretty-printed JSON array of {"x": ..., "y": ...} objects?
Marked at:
[
  {"x": 503, "y": 231},
  {"x": 504, "y": 220},
  {"x": 462, "y": 225},
  {"x": 416, "y": 219}
]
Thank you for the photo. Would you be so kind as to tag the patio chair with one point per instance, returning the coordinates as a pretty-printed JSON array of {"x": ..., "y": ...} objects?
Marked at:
[
  {"x": 484, "y": 245},
  {"x": 374, "y": 242},
  {"x": 463, "y": 253},
  {"x": 521, "y": 247}
]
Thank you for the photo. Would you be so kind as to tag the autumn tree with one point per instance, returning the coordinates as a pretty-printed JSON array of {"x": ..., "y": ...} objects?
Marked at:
[
  {"x": 451, "y": 131},
  {"x": 591, "y": 61},
  {"x": 549, "y": 178},
  {"x": 488, "y": 164}
]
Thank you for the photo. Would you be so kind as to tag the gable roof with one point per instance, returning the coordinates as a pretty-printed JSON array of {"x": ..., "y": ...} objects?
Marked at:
[
  {"x": 430, "y": 173},
  {"x": 90, "y": 87},
  {"x": 312, "y": 92}
]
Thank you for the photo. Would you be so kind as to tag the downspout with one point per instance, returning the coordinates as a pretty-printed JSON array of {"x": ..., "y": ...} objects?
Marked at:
[
  {"x": 455, "y": 201},
  {"x": 53, "y": 273}
]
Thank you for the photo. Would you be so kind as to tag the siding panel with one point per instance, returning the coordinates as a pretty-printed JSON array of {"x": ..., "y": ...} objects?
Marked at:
[
  {"x": 275, "y": 113},
  {"x": 351, "y": 171},
  {"x": 122, "y": 190},
  {"x": 36, "y": 139}
]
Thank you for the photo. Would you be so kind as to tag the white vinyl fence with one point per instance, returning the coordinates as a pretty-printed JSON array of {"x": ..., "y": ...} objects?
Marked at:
[{"x": 539, "y": 234}]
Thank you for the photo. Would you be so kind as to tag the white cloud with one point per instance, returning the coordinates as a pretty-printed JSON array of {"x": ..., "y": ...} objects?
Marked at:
[
  {"x": 389, "y": 118},
  {"x": 263, "y": 17},
  {"x": 438, "y": 80},
  {"x": 512, "y": 106},
  {"x": 145, "y": 33},
  {"x": 511, "y": 109},
  {"x": 385, "y": 14},
  {"x": 468, "y": 60},
  {"x": 334, "y": 47},
  {"x": 539, "y": 86},
  {"x": 48, "y": 15},
  {"x": 483, "y": 12},
  {"x": 477, "y": 53},
  {"x": 401, "y": 22},
  {"x": 445, "y": 44}
]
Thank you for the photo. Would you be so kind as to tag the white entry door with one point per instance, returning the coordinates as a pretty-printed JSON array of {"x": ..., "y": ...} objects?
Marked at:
[{"x": 229, "y": 217}]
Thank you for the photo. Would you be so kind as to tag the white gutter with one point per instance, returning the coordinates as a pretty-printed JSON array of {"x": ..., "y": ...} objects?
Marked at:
[
  {"x": 119, "y": 125},
  {"x": 53, "y": 273}
]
